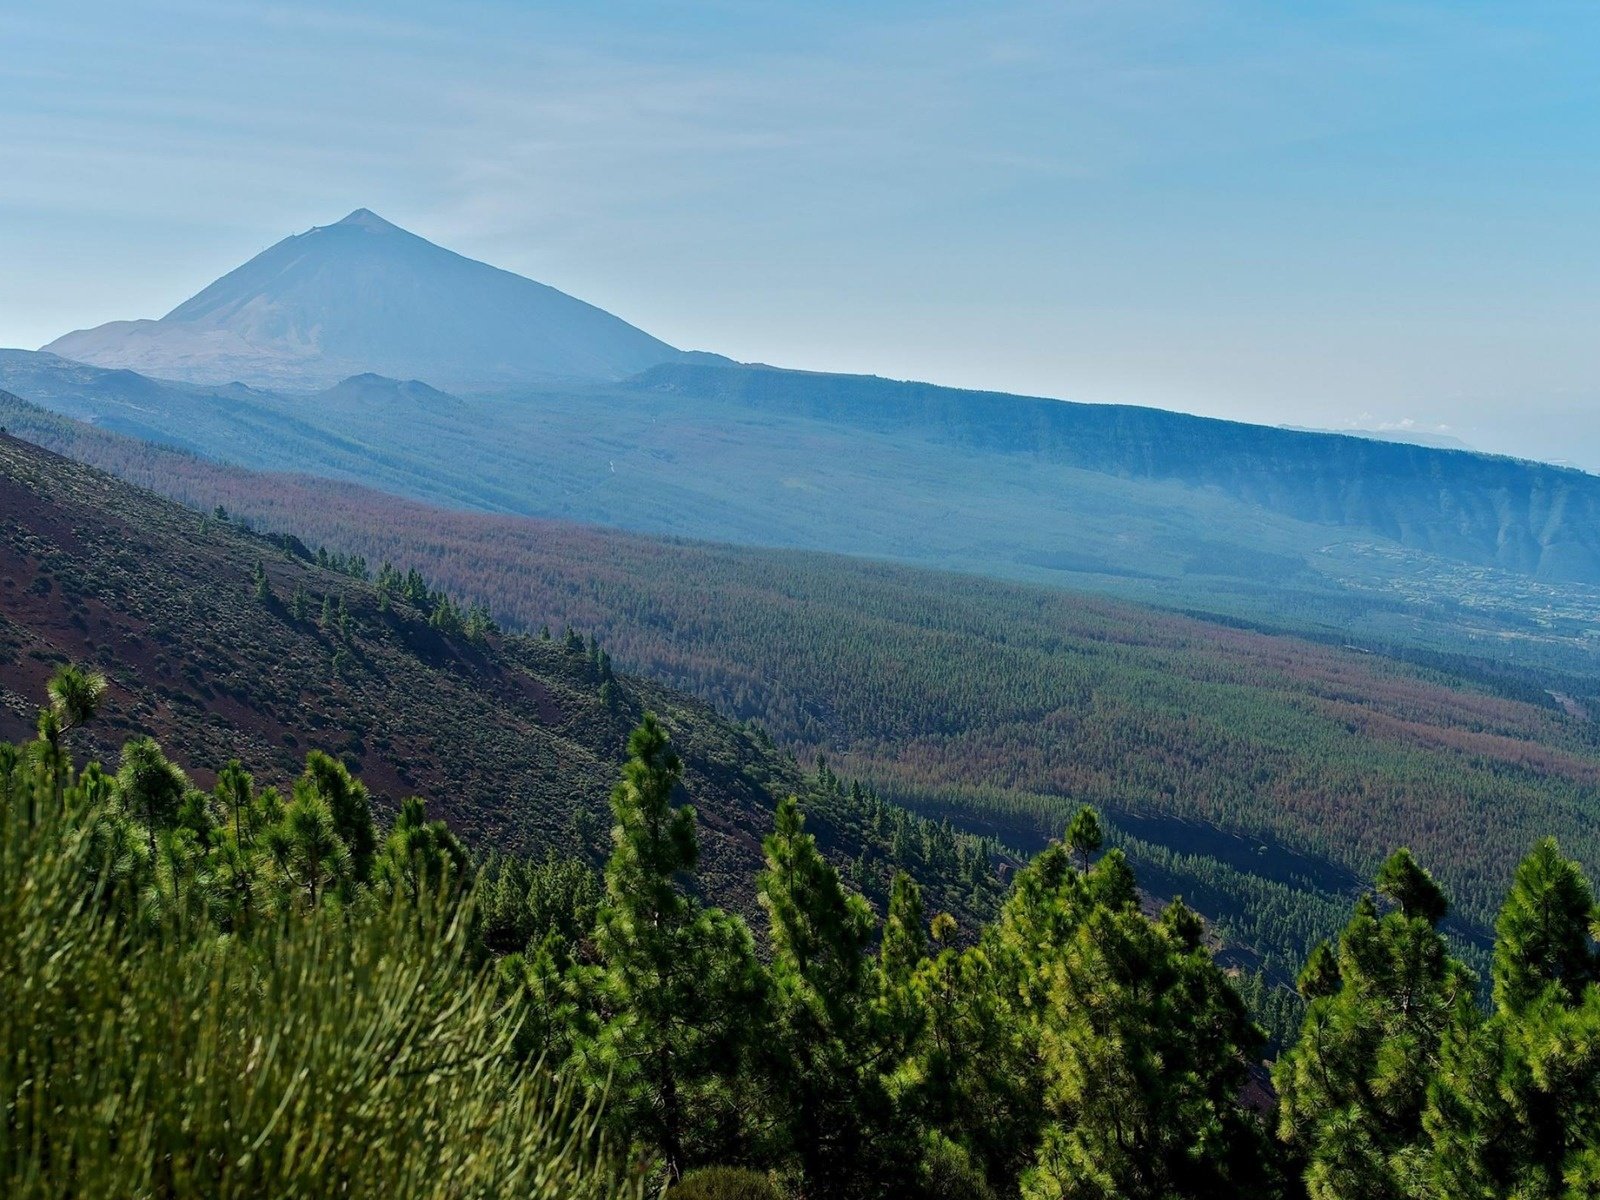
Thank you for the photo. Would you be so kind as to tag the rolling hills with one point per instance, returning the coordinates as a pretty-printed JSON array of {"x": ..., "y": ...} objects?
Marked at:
[
  {"x": 1328, "y": 534},
  {"x": 749, "y": 466}
]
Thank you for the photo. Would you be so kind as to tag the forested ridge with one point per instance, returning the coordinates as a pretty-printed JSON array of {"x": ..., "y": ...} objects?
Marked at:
[
  {"x": 367, "y": 1010},
  {"x": 731, "y": 466},
  {"x": 1483, "y": 508}
]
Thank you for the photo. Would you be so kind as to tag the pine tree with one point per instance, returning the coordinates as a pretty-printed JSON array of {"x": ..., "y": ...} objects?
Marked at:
[
  {"x": 349, "y": 806},
  {"x": 977, "y": 1074},
  {"x": 1353, "y": 1087},
  {"x": 151, "y": 787},
  {"x": 678, "y": 986},
  {"x": 1412, "y": 888},
  {"x": 833, "y": 1038},
  {"x": 75, "y": 695},
  {"x": 1319, "y": 978},
  {"x": 1084, "y": 835},
  {"x": 235, "y": 791},
  {"x": 1542, "y": 935},
  {"x": 1145, "y": 1048},
  {"x": 905, "y": 942},
  {"x": 421, "y": 856},
  {"x": 1516, "y": 1108},
  {"x": 307, "y": 848}
]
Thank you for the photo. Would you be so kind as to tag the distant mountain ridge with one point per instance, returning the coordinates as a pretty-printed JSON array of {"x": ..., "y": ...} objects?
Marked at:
[
  {"x": 1529, "y": 517},
  {"x": 363, "y": 295},
  {"x": 1415, "y": 437},
  {"x": 1022, "y": 485}
]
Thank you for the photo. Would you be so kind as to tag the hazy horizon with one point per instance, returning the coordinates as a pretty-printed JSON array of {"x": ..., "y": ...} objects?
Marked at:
[{"x": 1377, "y": 218}]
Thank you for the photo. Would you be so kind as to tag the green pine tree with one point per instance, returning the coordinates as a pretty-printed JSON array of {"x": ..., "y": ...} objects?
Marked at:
[
  {"x": 1145, "y": 1048},
  {"x": 1515, "y": 1110},
  {"x": 76, "y": 694},
  {"x": 421, "y": 856},
  {"x": 905, "y": 941},
  {"x": 349, "y": 806},
  {"x": 677, "y": 986},
  {"x": 1353, "y": 1087},
  {"x": 832, "y": 1036},
  {"x": 1084, "y": 835},
  {"x": 305, "y": 844},
  {"x": 150, "y": 786}
]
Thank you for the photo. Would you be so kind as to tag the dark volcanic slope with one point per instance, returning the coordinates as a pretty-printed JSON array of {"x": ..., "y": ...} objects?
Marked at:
[{"x": 507, "y": 741}]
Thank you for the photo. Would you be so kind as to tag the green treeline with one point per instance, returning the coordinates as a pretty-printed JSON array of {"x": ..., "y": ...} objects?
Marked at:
[{"x": 242, "y": 992}]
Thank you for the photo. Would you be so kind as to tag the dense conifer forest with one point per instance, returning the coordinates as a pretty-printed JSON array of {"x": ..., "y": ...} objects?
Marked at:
[
  {"x": 1262, "y": 776},
  {"x": 370, "y": 1010}
]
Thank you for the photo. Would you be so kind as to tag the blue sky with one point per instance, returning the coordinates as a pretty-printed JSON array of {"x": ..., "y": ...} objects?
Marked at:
[{"x": 1325, "y": 214}]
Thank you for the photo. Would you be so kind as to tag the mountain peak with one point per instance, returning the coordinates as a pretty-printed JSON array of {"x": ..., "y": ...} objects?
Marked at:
[
  {"x": 321, "y": 306},
  {"x": 365, "y": 218}
]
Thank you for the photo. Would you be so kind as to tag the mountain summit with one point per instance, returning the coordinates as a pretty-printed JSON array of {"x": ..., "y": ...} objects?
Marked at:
[{"x": 364, "y": 295}]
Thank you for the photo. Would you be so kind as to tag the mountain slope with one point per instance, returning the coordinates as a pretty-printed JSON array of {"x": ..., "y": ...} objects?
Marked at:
[
  {"x": 1179, "y": 510},
  {"x": 1259, "y": 776},
  {"x": 1003, "y": 484},
  {"x": 1521, "y": 516},
  {"x": 510, "y": 740},
  {"x": 1003, "y": 705},
  {"x": 363, "y": 295}
]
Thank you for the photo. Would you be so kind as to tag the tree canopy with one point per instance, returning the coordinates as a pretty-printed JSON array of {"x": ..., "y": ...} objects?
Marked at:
[{"x": 366, "y": 1008}]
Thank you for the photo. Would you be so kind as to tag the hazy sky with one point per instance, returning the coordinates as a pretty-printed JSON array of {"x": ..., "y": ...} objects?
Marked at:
[{"x": 1320, "y": 214}]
